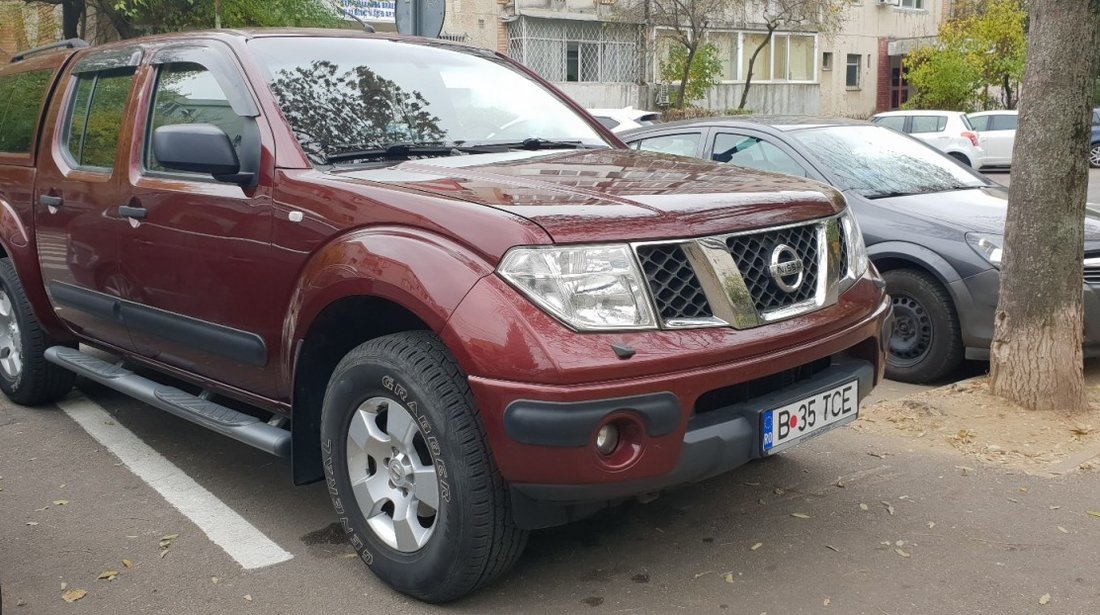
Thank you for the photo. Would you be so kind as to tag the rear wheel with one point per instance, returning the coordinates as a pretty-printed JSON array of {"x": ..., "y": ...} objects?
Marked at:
[
  {"x": 410, "y": 472},
  {"x": 25, "y": 375},
  {"x": 926, "y": 343},
  {"x": 1094, "y": 156},
  {"x": 960, "y": 157}
]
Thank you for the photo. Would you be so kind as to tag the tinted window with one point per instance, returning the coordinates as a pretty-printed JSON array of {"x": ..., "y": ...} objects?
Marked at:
[
  {"x": 96, "y": 117},
  {"x": 897, "y": 122},
  {"x": 927, "y": 123},
  {"x": 680, "y": 145},
  {"x": 189, "y": 94},
  {"x": 607, "y": 122},
  {"x": 21, "y": 98},
  {"x": 755, "y": 154},
  {"x": 1004, "y": 122},
  {"x": 878, "y": 162},
  {"x": 980, "y": 122},
  {"x": 1096, "y": 117}
]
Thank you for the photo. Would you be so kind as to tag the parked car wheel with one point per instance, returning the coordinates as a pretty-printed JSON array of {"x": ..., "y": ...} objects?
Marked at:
[
  {"x": 409, "y": 469},
  {"x": 926, "y": 344},
  {"x": 1094, "y": 156},
  {"x": 25, "y": 375},
  {"x": 960, "y": 157}
]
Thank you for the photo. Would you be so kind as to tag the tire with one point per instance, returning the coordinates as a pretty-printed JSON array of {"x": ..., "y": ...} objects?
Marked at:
[
  {"x": 25, "y": 375},
  {"x": 960, "y": 157},
  {"x": 469, "y": 539},
  {"x": 926, "y": 344},
  {"x": 1094, "y": 156}
]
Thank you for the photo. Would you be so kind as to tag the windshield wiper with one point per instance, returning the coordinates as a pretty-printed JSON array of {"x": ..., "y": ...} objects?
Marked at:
[
  {"x": 399, "y": 151},
  {"x": 530, "y": 143}
]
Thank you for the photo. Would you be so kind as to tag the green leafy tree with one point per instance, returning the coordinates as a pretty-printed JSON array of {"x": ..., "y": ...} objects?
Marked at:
[
  {"x": 982, "y": 47},
  {"x": 685, "y": 24},
  {"x": 702, "y": 74}
]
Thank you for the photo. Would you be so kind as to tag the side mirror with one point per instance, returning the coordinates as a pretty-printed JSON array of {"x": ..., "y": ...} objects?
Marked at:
[{"x": 199, "y": 148}]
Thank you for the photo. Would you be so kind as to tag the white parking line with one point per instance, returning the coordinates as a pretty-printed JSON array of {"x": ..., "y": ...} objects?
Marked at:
[{"x": 230, "y": 531}]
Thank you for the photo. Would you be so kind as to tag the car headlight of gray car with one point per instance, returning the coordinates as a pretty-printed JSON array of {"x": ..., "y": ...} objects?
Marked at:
[
  {"x": 857, "y": 250},
  {"x": 590, "y": 288},
  {"x": 988, "y": 246}
]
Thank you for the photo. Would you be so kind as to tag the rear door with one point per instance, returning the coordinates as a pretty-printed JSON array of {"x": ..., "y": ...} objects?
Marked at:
[
  {"x": 195, "y": 252},
  {"x": 79, "y": 185},
  {"x": 931, "y": 130},
  {"x": 998, "y": 139}
]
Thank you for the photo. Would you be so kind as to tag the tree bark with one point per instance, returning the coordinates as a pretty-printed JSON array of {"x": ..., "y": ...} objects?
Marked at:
[
  {"x": 752, "y": 61},
  {"x": 1036, "y": 357},
  {"x": 71, "y": 11}
]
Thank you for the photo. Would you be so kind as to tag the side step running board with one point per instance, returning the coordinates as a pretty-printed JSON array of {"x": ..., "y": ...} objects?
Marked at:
[{"x": 226, "y": 421}]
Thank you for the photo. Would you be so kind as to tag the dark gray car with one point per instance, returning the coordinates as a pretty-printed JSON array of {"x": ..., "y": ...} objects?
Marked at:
[{"x": 933, "y": 227}]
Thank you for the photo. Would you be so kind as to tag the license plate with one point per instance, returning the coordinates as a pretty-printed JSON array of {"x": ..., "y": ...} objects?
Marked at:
[{"x": 787, "y": 425}]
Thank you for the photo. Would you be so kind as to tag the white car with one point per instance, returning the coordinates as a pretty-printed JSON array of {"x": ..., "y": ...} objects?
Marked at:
[
  {"x": 997, "y": 131},
  {"x": 948, "y": 131},
  {"x": 618, "y": 120}
]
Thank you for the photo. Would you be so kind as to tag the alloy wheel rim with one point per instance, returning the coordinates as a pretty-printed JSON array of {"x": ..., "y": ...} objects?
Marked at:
[
  {"x": 911, "y": 339},
  {"x": 393, "y": 474},
  {"x": 11, "y": 339},
  {"x": 1094, "y": 156}
]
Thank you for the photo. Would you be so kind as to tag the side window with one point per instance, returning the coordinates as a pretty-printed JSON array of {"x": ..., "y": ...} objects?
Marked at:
[
  {"x": 927, "y": 123},
  {"x": 897, "y": 122},
  {"x": 680, "y": 145},
  {"x": 189, "y": 94},
  {"x": 607, "y": 122},
  {"x": 755, "y": 154},
  {"x": 21, "y": 97},
  {"x": 96, "y": 117},
  {"x": 1004, "y": 122},
  {"x": 979, "y": 123}
]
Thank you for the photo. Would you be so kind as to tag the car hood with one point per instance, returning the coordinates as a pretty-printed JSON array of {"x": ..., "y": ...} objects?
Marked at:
[
  {"x": 608, "y": 194},
  {"x": 980, "y": 210}
]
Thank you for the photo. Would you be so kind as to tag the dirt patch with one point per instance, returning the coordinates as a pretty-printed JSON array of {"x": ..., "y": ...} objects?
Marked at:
[{"x": 964, "y": 416}]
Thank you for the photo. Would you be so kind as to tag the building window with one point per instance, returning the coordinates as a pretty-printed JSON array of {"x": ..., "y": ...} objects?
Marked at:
[
  {"x": 786, "y": 57},
  {"x": 851, "y": 79},
  {"x": 567, "y": 50},
  {"x": 827, "y": 61},
  {"x": 727, "y": 45},
  {"x": 912, "y": 4}
]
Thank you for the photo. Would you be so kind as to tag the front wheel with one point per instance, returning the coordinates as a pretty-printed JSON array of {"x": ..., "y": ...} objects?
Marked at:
[
  {"x": 409, "y": 470},
  {"x": 25, "y": 375},
  {"x": 1094, "y": 156},
  {"x": 926, "y": 343}
]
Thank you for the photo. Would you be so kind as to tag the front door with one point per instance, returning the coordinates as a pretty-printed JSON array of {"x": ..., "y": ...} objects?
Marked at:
[
  {"x": 196, "y": 252},
  {"x": 79, "y": 185}
]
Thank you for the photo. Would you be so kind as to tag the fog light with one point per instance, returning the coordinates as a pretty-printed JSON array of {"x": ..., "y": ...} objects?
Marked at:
[{"x": 607, "y": 439}]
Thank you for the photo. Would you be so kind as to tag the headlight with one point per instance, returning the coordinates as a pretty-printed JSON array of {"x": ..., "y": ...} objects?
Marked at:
[
  {"x": 590, "y": 288},
  {"x": 857, "y": 250},
  {"x": 988, "y": 246}
]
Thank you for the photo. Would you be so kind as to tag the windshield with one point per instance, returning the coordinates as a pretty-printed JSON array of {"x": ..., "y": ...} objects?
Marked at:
[
  {"x": 876, "y": 161},
  {"x": 345, "y": 95}
]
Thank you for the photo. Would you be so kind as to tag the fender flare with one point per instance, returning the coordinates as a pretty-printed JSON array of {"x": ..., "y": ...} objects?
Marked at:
[{"x": 917, "y": 255}]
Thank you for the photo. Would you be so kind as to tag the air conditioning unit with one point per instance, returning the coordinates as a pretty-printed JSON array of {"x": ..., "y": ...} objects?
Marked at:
[{"x": 888, "y": 2}]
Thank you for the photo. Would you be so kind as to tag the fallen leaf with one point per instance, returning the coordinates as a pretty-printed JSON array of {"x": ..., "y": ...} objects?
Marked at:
[
  {"x": 931, "y": 524},
  {"x": 1044, "y": 599},
  {"x": 703, "y": 574},
  {"x": 832, "y": 548},
  {"x": 248, "y": 597},
  {"x": 20, "y": 602},
  {"x": 1054, "y": 507},
  {"x": 800, "y": 515},
  {"x": 64, "y": 585},
  {"x": 863, "y": 506},
  {"x": 1024, "y": 489},
  {"x": 1013, "y": 500},
  {"x": 1094, "y": 513},
  {"x": 127, "y": 563},
  {"x": 900, "y": 543},
  {"x": 73, "y": 595},
  {"x": 777, "y": 491},
  {"x": 32, "y": 523},
  {"x": 751, "y": 484},
  {"x": 60, "y": 502},
  {"x": 109, "y": 575},
  {"x": 42, "y": 509},
  {"x": 901, "y": 552},
  {"x": 1063, "y": 530},
  {"x": 1082, "y": 430},
  {"x": 214, "y": 580},
  {"x": 756, "y": 546},
  {"x": 840, "y": 483},
  {"x": 826, "y": 602},
  {"x": 163, "y": 553},
  {"x": 729, "y": 577}
]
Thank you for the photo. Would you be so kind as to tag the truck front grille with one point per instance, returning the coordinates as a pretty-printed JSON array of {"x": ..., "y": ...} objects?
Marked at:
[
  {"x": 675, "y": 286},
  {"x": 752, "y": 253},
  {"x": 728, "y": 280}
]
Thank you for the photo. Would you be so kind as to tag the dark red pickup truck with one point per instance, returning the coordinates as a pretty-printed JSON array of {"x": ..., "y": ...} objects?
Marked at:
[{"x": 423, "y": 275}]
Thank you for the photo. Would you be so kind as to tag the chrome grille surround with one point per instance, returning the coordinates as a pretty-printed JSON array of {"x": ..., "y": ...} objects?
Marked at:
[{"x": 734, "y": 299}]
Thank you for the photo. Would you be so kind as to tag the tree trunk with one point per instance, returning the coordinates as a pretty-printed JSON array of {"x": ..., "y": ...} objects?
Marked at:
[
  {"x": 1036, "y": 357},
  {"x": 687, "y": 73},
  {"x": 752, "y": 60},
  {"x": 1007, "y": 92},
  {"x": 71, "y": 12}
]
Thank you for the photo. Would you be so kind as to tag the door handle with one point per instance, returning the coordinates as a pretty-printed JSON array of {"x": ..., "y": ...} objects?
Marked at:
[
  {"x": 137, "y": 213},
  {"x": 53, "y": 202}
]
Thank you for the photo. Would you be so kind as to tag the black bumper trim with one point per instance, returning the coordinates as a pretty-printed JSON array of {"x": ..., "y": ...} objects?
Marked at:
[
  {"x": 715, "y": 442},
  {"x": 571, "y": 424}
]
